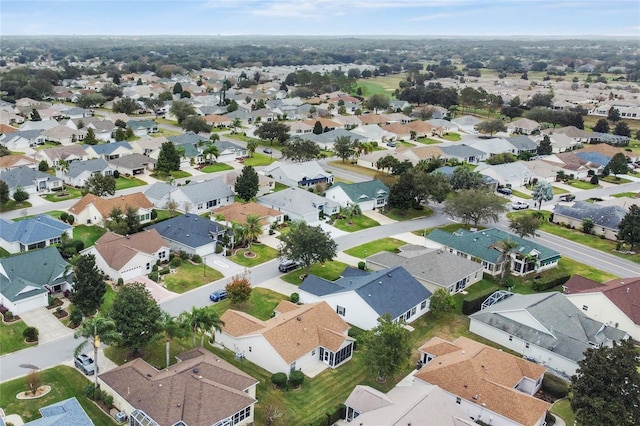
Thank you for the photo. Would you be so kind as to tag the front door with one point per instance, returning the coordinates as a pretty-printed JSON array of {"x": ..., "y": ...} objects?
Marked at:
[{"x": 325, "y": 357}]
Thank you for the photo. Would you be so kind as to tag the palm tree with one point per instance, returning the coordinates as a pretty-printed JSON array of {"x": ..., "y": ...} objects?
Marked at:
[
  {"x": 211, "y": 151},
  {"x": 181, "y": 152},
  {"x": 214, "y": 137},
  {"x": 63, "y": 166},
  {"x": 193, "y": 320},
  {"x": 236, "y": 123},
  {"x": 506, "y": 246},
  {"x": 252, "y": 228},
  {"x": 211, "y": 322},
  {"x": 239, "y": 234},
  {"x": 351, "y": 211},
  {"x": 96, "y": 330},
  {"x": 171, "y": 327},
  {"x": 252, "y": 145}
]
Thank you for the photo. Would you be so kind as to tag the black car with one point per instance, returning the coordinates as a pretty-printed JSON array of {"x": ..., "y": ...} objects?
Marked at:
[
  {"x": 504, "y": 190},
  {"x": 85, "y": 364},
  {"x": 567, "y": 197},
  {"x": 288, "y": 265}
]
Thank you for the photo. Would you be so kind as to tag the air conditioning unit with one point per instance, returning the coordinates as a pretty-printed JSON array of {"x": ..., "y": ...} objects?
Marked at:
[{"x": 121, "y": 417}]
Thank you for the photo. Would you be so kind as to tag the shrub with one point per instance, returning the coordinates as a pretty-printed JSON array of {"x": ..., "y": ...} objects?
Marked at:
[
  {"x": 8, "y": 316},
  {"x": 116, "y": 174},
  {"x": 75, "y": 316},
  {"x": 78, "y": 245},
  {"x": 362, "y": 265},
  {"x": 554, "y": 386},
  {"x": 164, "y": 271},
  {"x": 90, "y": 392},
  {"x": 71, "y": 219},
  {"x": 196, "y": 258},
  {"x": 154, "y": 276},
  {"x": 546, "y": 285},
  {"x": 594, "y": 180},
  {"x": 175, "y": 262},
  {"x": 471, "y": 305},
  {"x": 64, "y": 216},
  {"x": 108, "y": 400},
  {"x": 154, "y": 268},
  {"x": 279, "y": 380},
  {"x": 294, "y": 298},
  {"x": 30, "y": 334},
  {"x": 296, "y": 378},
  {"x": 121, "y": 281}
]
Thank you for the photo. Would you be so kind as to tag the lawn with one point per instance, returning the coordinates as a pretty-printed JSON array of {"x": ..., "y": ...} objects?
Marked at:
[
  {"x": 453, "y": 137},
  {"x": 562, "y": 409},
  {"x": 261, "y": 304},
  {"x": 189, "y": 276},
  {"x": 128, "y": 182},
  {"x": 166, "y": 214},
  {"x": 373, "y": 247},
  {"x": 558, "y": 191},
  {"x": 427, "y": 141},
  {"x": 216, "y": 167},
  {"x": 173, "y": 175},
  {"x": 154, "y": 353},
  {"x": 11, "y": 338},
  {"x": 568, "y": 267},
  {"x": 263, "y": 253},
  {"x": 625, "y": 194},
  {"x": 582, "y": 185},
  {"x": 615, "y": 180},
  {"x": 521, "y": 195},
  {"x": 409, "y": 214},
  {"x": 65, "y": 382},
  {"x": 107, "y": 301},
  {"x": 279, "y": 187},
  {"x": 88, "y": 234},
  {"x": 12, "y": 205},
  {"x": 68, "y": 193},
  {"x": 358, "y": 223},
  {"x": 329, "y": 271},
  {"x": 370, "y": 88},
  {"x": 258, "y": 160}
]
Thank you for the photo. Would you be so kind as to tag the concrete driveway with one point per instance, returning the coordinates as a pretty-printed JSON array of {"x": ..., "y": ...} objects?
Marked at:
[
  {"x": 50, "y": 328},
  {"x": 158, "y": 292}
]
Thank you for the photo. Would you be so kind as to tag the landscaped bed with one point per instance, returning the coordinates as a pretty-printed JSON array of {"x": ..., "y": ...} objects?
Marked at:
[{"x": 263, "y": 253}]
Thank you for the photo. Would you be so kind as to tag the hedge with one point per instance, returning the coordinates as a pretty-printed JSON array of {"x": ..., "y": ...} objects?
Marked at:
[
  {"x": 279, "y": 379},
  {"x": 546, "y": 285},
  {"x": 555, "y": 386},
  {"x": 331, "y": 416},
  {"x": 471, "y": 305}
]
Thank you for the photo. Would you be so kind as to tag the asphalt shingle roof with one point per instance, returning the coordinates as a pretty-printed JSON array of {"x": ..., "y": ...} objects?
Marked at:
[
  {"x": 32, "y": 230},
  {"x": 78, "y": 167},
  {"x": 63, "y": 413},
  {"x": 24, "y": 176},
  {"x": 108, "y": 148},
  {"x": 605, "y": 216},
  {"x": 364, "y": 191},
  {"x": 188, "y": 229}
]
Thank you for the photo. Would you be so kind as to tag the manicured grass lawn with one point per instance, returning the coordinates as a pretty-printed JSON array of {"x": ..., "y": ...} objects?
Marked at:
[
  {"x": 167, "y": 132},
  {"x": 70, "y": 192},
  {"x": 427, "y": 141},
  {"x": 88, "y": 234},
  {"x": 131, "y": 182},
  {"x": 625, "y": 194},
  {"x": 11, "y": 338},
  {"x": 261, "y": 304},
  {"x": 373, "y": 247},
  {"x": 521, "y": 195},
  {"x": 453, "y": 137},
  {"x": 259, "y": 160},
  {"x": 558, "y": 191},
  {"x": 12, "y": 205},
  {"x": 399, "y": 215},
  {"x": 370, "y": 88},
  {"x": 562, "y": 409},
  {"x": 263, "y": 253},
  {"x": 582, "y": 185},
  {"x": 189, "y": 276},
  {"x": 4, "y": 253},
  {"x": 615, "y": 180},
  {"x": 107, "y": 301},
  {"x": 337, "y": 179},
  {"x": 279, "y": 187},
  {"x": 216, "y": 167},
  {"x": 166, "y": 214},
  {"x": 154, "y": 353},
  {"x": 355, "y": 168},
  {"x": 46, "y": 145},
  {"x": 175, "y": 175},
  {"x": 329, "y": 271},
  {"x": 357, "y": 223},
  {"x": 65, "y": 383},
  {"x": 568, "y": 266}
]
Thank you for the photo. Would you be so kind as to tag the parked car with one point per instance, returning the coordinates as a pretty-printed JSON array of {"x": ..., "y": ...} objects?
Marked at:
[
  {"x": 85, "y": 364},
  {"x": 218, "y": 295},
  {"x": 288, "y": 265},
  {"x": 268, "y": 150},
  {"x": 519, "y": 205},
  {"x": 391, "y": 144},
  {"x": 567, "y": 197},
  {"x": 504, "y": 190}
]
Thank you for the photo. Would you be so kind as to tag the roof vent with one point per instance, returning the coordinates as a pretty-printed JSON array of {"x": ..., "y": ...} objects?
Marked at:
[
  {"x": 195, "y": 371},
  {"x": 379, "y": 282},
  {"x": 389, "y": 275},
  {"x": 299, "y": 318}
]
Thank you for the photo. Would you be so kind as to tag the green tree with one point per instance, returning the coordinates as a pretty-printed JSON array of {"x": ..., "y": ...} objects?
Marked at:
[
  {"x": 89, "y": 100},
  {"x": 168, "y": 158},
  {"x": 506, "y": 247},
  {"x": 165, "y": 96},
  {"x": 543, "y": 191},
  {"x": 377, "y": 102},
  {"x": 441, "y": 303},
  {"x": 90, "y": 137},
  {"x": 239, "y": 289},
  {"x": 177, "y": 89},
  {"x": 524, "y": 225},
  {"x": 434, "y": 186},
  {"x": 195, "y": 124},
  {"x": 545, "y": 148},
  {"x": 20, "y": 195},
  {"x": 618, "y": 164},
  {"x": 344, "y": 147},
  {"x": 386, "y": 348},
  {"x": 629, "y": 228},
  {"x": 88, "y": 286},
  {"x": 181, "y": 110},
  {"x": 622, "y": 129},
  {"x": 136, "y": 316},
  {"x": 202, "y": 320},
  {"x": 100, "y": 185},
  {"x": 171, "y": 327},
  {"x": 210, "y": 152},
  {"x": 252, "y": 145},
  {"x": 465, "y": 178},
  {"x": 587, "y": 225},
  {"x": 111, "y": 91},
  {"x": 252, "y": 228},
  {"x": 247, "y": 184},
  {"x": 602, "y": 126},
  {"x": 120, "y": 135},
  {"x": 475, "y": 205},
  {"x": 606, "y": 386},
  {"x": 4, "y": 151},
  {"x": 273, "y": 131},
  {"x": 95, "y": 331},
  {"x": 350, "y": 211},
  {"x": 35, "y": 115},
  {"x": 491, "y": 126},
  {"x": 613, "y": 114},
  {"x": 299, "y": 150},
  {"x": 307, "y": 244},
  {"x": 125, "y": 106},
  {"x": 317, "y": 128},
  {"x": 4, "y": 192},
  {"x": 402, "y": 194}
]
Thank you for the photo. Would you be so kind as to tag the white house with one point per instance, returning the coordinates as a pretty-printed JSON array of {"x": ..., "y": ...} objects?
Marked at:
[
  {"x": 196, "y": 197},
  {"x": 32, "y": 233},
  {"x": 306, "y": 174},
  {"x": 80, "y": 171},
  {"x": 368, "y": 195},
  {"x": 92, "y": 209}
]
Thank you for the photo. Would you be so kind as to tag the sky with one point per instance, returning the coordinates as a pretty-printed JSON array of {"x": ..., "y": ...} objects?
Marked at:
[{"x": 322, "y": 17}]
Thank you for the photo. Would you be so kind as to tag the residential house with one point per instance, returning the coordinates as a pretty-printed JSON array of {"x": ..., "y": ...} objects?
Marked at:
[
  {"x": 299, "y": 204},
  {"x": 578, "y": 135},
  {"x": 489, "y": 385},
  {"x": 626, "y": 111},
  {"x": 43, "y": 125},
  {"x": 424, "y": 129},
  {"x": 463, "y": 152},
  {"x": 192, "y": 144},
  {"x": 513, "y": 175},
  {"x": 142, "y": 127},
  {"x": 376, "y": 119},
  {"x": 109, "y": 151},
  {"x": 32, "y": 233},
  {"x": 265, "y": 183},
  {"x": 54, "y": 155},
  {"x": 95, "y": 210},
  {"x": 200, "y": 390},
  {"x": 327, "y": 140},
  {"x": 559, "y": 142},
  {"x": 133, "y": 164},
  {"x": 30, "y": 180},
  {"x": 609, "y": 151},
  {"x": 467, "y": 123},
  {"x": 229, "y": 151},
  {"x": 309, "y": 337},
  {"x": 9, "y": 162},
  {"x": 218, "y": 120},
  {"x": 522, "y": 144},
  {"x": 546, "y": 328},
  {"x": 22, "y": 140},
  {"x": 196, "y": 197},
  {"x": 433, "y": 268},
  {"x": 77, "y": 113},
  {"x": 401, "y": 132},
  {"x": 128, "y": 256},
  {"x": 298, "y": 128},
  {"x": 306, "y": 174},
  {"x": 149, "y": 146},
  {"x": 605, "y": 219},
  {"x": 238, "y": 212},
  {"x": 27, "y": 279},
  {"x": 425, "y": 405},
  {"x": 80, "y": 171},
  {"x": 571, "y": 164},
  {"x": 491, "y": 146},
  {"x": 190, "y": 233},
  {"x": 64, "y": 135},
  {"x": 367, "y": 195},
  {"x": 373, "y": 133},
  {"x": 523, "y": 126},
  {"x": 63, "y": 413},
  {"x": 326, "y": 123},
  {"x": 442, "y": 122},
  {"x": 486, "y": 248},
  {"x": 362, "y": 297},
  {"x": 615, "y": 302},
  {"x": 370, "y": 160}
]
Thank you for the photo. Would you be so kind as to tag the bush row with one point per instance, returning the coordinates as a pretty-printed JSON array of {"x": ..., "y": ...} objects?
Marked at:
[
  {"x": 546, "y": 285},
  {"x": 555, "y": 386},
  {"x": 472, "y": 304}
]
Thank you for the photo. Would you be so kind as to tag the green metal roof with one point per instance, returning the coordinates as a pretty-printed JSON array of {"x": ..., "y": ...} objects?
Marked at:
[{"x": 363, "y": 191}]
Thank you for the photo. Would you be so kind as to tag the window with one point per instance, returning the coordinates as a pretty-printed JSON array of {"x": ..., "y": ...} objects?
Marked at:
[
  {"x": 458, "y": 400},
  {"x": 200, "y": 206},
  {"x": 585, "y": 308},
  {"x": 148, "y": 266},
  {"x": 241, "y": 415},
  {"x": 526, "y": 345},
  {"x": 511, "y": 338},
  {"x": 313, "y": 352},
  {"x": 423, "y": 305},
  {"x": 341, "y": 310},
  {"x": 249, "y": 348}
]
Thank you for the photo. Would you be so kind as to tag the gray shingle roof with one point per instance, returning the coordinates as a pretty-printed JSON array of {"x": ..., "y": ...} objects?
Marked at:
[
  {"x": 188, "y": 229},
  {"x": 76, "y": 168},
  {"x": 32, "y": 230},
  {"x": 605, "y": 216},
  {"x": 462, "y": 151},
  {"x": 158, "y": 190},
  {"x": 199, "y": 192},
  {"x": 523, "y": 143},
  {"x": 564, "y": 329},
  {"x": 63, "y": 413},
  {"x": 107, "y": 148},
  {"x": 295, "y": 200},
  {"x": 133, "y": 161},
  {"x": 24, "y": 176},
  {"x": 393, "y": 290}
]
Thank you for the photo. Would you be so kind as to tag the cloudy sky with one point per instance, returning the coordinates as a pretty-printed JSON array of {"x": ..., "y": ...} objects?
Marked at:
[{"x": 321, "y": 17}]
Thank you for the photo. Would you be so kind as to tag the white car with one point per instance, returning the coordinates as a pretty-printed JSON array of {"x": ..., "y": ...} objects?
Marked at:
[{"x": 519, "y": 205}]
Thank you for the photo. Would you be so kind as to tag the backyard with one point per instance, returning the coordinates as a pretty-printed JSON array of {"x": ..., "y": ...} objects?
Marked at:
[
  {"x": 330, "y": 271},
  {"x": 88, "y": 234}
]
